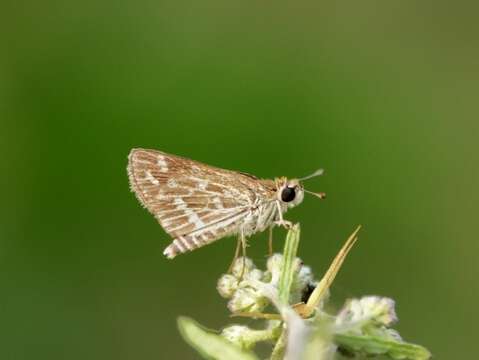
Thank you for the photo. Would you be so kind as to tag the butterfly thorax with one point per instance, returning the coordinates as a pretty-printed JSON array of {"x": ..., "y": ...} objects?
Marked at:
[
  {"x": 274, "y": 198},
  {"x": 264, "y": 210}
]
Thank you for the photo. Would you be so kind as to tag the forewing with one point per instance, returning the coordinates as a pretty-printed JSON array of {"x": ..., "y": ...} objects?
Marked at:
[{"x": 195, "y": 203}]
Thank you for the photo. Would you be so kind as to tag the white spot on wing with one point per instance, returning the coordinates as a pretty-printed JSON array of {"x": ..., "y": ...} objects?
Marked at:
[
  {"x": 171, "y": 183},
  {"x": 179, "y": 244},
  {"x": 193, "y": 218},
  {"x": 160, "y": 196},
  {"x": 151, "y": 178},
  {"x": 185, "y": 242},
  {"x": 169, "y": 252},
  {"x": 163, "y": 166},
  {"x": 218, "y": 203},
  {"x": 195, "y": 240},
  {"x": 195, "y": 169},
  {"x": 202, "y": 184},
  {"x": 179, "y": 202}
]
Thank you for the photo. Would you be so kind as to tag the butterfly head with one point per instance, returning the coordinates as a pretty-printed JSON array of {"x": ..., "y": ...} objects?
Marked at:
[{"x": 291, "y": 191}]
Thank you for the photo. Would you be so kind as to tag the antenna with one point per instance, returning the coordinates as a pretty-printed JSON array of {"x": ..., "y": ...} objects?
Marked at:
[
  {"x": 320, "y": 195},
  {"x": 318, "y": 172}
]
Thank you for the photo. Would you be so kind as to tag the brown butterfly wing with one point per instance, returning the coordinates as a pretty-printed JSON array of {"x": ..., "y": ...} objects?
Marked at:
[{"x": 195, "y": 203}]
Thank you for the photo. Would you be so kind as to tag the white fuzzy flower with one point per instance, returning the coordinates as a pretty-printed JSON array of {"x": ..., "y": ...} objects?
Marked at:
[
  {"x": 227, "y": 285},
  {"x": 368, "y": 310},
  {"x": 247, "y": 300}
]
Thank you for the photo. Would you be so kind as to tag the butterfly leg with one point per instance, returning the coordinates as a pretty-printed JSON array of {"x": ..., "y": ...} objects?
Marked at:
[
  {"x": 243, "y": 246},
  {"x": 270, "y": 241},
  {"x": 238, "y": 247},
  {"x": 281, "y": 222}
]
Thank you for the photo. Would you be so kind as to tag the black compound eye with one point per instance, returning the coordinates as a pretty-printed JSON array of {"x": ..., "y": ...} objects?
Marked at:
[{"x": 288, "y": 194}]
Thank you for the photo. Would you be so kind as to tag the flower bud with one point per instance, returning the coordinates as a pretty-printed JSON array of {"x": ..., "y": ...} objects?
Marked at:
[
  {"x": 369, "y": 310},
  {"x": 247, "y": 300},
  {"x": 255, "y": 274},
  {"x": 237, "y": 269},
  {"x": 227, "y": 285},
  {"x": 238, "y": 335}
]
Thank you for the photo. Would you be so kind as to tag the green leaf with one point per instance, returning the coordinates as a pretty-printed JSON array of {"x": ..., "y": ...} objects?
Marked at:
[
  {"x": 288, "y": 268},
  {"x": 209, "y": 344},
  {"x": 374, "y": 345}
]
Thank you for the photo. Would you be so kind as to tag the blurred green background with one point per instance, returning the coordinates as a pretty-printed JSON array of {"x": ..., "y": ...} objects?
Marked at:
[{"x": 383, "y": 95}]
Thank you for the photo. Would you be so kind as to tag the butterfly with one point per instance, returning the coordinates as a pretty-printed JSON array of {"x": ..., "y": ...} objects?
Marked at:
[{"x": 197, "y": 204}]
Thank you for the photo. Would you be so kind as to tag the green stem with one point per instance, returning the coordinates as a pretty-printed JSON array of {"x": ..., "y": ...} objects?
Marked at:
[
  {"x": 289, "y": 256},
  {"x": 279, "y": 347}
]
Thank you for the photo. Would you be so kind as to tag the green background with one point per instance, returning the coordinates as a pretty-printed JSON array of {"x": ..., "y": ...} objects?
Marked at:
[{"x": 382, "y": 95}]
